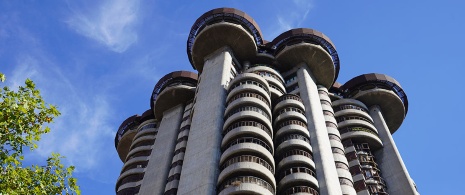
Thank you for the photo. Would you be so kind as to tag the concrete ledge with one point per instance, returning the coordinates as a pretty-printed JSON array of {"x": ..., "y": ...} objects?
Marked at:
[
  {"x": 297, "y": 179},
  {"x": 316, "y": 58},
  {"x": 294, "y": 144},
  {"x": 290, "y": 115},
  {"x": 247, "y": 115},
  {"x": 246, "y": 131},
  {"x": 248, "y": 148},
  {"x": 245, "y": 188},
  {"x": 288, "y": 129},
  {"x": 293, "y": 160},
  {"x": 251, "y": 168},
  {"x": 172, "y": 96},
  {"x": 247, "y": 101},
  {"x": 287, "y": 103}
]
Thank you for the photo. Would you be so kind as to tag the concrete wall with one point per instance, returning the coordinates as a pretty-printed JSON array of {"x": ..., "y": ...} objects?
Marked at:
[
  {"x": 200, "y": 170},
  {"x": 162, "y": 152},
  {"x": 325, "y": 168},
  {"x": 389, "y": 160}
]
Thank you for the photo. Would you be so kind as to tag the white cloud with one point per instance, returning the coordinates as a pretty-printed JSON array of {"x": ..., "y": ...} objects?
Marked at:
[
  {"x": 111, "y": 24},
  {"x": 291, "y": 16},
  {"x": 83, "y": 132}
]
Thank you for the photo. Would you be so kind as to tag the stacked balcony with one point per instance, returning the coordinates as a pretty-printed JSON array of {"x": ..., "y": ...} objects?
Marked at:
[
  {"x": 133, "y": 169},
  {"x": 274, "y": 79},
  {"x": 342, "y": 165},
  {"x": 246, "y": 163},
  {"x": 364, "y": 169},
  {"x": 294, "y": 154}
]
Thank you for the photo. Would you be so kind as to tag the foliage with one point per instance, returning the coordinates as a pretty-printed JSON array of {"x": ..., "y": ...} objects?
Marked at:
[{"x": 23, "y": 116}]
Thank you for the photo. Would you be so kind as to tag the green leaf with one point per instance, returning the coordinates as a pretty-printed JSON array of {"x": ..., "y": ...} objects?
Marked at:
[{"x": 2, "y": 77}]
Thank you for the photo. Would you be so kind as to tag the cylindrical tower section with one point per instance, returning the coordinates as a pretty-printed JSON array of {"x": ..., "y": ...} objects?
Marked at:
[
  {"x": 180, "y": 149},
  {"x": 246, "y": 163},
  {"x": 172, "y": 89},
  {"x": 342, "y": 165},
  {"x": 360, "y": 138},
  {"x": 313, "y": 59},
  {"x": 388, "y": 105},
  {"x": 219, "y": 28},
  {"x": 294, "y": 154},
  {"x": 133, "y": 169}
]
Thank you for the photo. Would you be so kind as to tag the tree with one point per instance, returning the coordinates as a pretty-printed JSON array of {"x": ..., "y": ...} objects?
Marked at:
[{"x": 23, "y": 119}]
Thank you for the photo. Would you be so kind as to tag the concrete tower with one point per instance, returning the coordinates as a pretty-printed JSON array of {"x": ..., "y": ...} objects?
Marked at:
[{"x": 264, "y": 118}]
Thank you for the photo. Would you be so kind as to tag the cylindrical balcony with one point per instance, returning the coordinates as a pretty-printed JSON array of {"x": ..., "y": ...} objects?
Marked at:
[
  {"x": 173, "y": 89},
  {"x": 125, "y": 135},
  {"x": 311, "y": 47},
  {"x": 381, "y": 90},
  {"x": 223, "y": 27},
  {"x": 274, "y": 79}
]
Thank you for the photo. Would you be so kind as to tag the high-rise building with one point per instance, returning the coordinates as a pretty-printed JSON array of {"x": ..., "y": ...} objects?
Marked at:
[{"x": 264, "y": 117}]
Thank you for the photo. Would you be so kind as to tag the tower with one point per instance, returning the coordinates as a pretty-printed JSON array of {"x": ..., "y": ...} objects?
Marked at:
[{"x": 264, "y": 117}]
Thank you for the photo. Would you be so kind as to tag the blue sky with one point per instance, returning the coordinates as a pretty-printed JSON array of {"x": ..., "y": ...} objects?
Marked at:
[{"x": 99, "y": 60}]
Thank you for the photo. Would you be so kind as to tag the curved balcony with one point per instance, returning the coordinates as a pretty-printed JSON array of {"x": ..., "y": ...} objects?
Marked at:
[
  {"x": 248, "y": 79},
  {"x": 248, "y": 146},
  {"x": 249, "y": 165},
  {"x": 276, "y": 91},
  {"x": 288, "y": 113},
  {"x": 293, "y": 142},
  {"x": 140, "y": 163},
  {"x": 246, "y": 185},
  {"x": 125, "y": 135},
  {"x": 146, "y": 140},
  {"x": 288, "y": 100},
  {"x": 361, "y": 134},
  {"x": 381, "y": 90},
  {"x": 246, "y": 102},
  {"x": 292, "y": 48},
  {"x": 172, "y": 89},
  {"x": 291, "y": 126},
  {"x": 132, "y": 161},
  {"x": 249, "y": 124},
  {"x": 223, "y": 27},
  {"x": 239, "y": 96},
  {"x": 133, "y": 175},
  {"x": 295, "y": 157},
  {"x": 257, "y": 68},
  {"x": 300, "y": 190},
  {"x": 148, "y": 129},
  {"x": 245, "y": 131},
  {"x": 297, "y": 176},
  {"x": 247, "y": 113},
  {"x": 129, "y": 188},
  {"x": 139, "y": 151}
]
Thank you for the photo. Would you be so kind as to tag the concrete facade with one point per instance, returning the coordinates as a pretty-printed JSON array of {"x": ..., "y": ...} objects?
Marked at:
[{"x": 264, "y": 117}]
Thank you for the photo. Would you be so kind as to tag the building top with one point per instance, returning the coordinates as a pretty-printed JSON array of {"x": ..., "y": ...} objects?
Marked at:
[
  {"x": 125, "y": 126},
  {"x": 218, "y": 15},
  {"x": 169, "y": 79},
  {"x": 388, "y": 81},
  {"x": 383, "y": 91}
]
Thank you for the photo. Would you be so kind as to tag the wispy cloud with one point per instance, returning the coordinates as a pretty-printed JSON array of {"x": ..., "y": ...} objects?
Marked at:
[
  {"x": 83, "y": 132},
  {"x": 112, "y": 24},
  {"x": 292, "y": 16}
]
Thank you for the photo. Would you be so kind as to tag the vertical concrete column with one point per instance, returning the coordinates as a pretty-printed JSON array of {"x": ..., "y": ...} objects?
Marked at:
[
  {"x": 389, "y": 160},
  {"x": 324, "y": 161},
  {"x": 200, "y": 170},
  {"x": 162, "y": 152}
]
